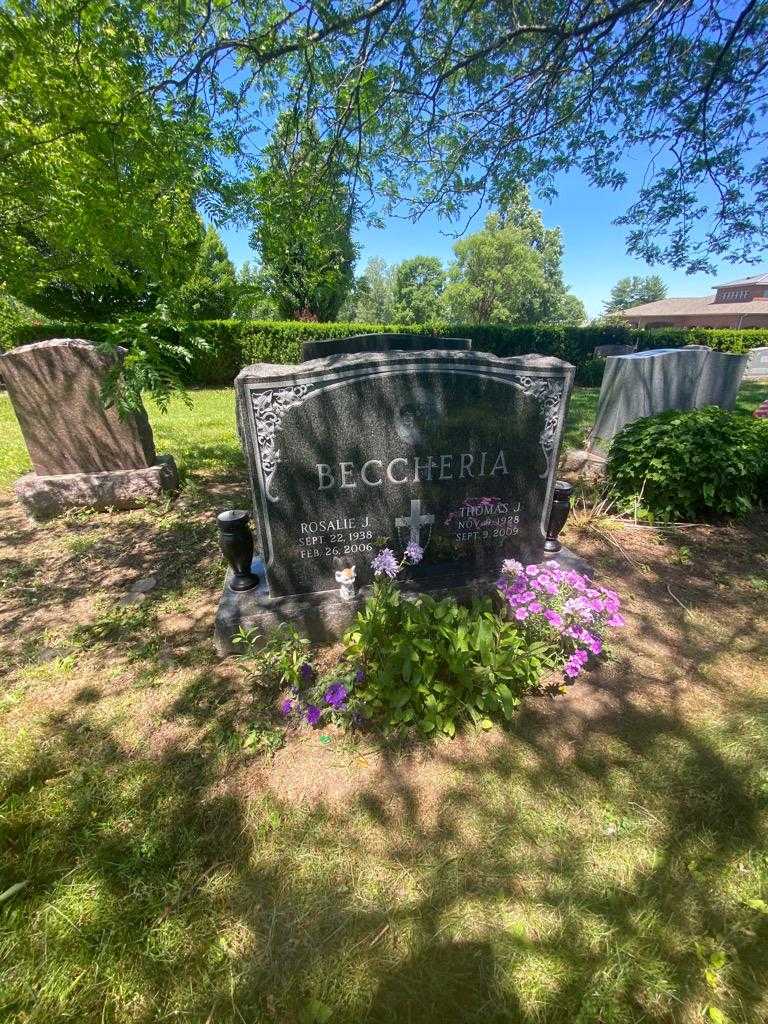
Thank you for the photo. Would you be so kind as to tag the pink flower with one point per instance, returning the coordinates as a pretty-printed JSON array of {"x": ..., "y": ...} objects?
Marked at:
[
  {"x": 521, "y": 614},
  {"x": 553, "y": 618},
  {"x": 531, "y": 570},
  {"x": 616, "y": 620},
  {"x": 511, "y": 567},
  {"x": 535, "y": 607}
]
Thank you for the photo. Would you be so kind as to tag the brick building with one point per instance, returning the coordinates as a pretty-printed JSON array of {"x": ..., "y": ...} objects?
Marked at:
[{"x": 741, "y": 303}]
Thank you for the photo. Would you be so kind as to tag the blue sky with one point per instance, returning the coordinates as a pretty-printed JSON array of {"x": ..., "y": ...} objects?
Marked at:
[{"x": 595, "y": 252}]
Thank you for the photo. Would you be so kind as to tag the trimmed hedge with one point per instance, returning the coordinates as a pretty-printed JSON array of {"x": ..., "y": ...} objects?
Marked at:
[{"x": 237, "y": 343}]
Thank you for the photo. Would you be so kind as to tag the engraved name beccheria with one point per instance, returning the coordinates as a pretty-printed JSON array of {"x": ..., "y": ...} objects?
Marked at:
[{"x": 402, "y": 470}]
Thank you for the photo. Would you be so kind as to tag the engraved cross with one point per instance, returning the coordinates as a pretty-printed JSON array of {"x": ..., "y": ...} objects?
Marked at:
[{"x": 415, "y": 521}]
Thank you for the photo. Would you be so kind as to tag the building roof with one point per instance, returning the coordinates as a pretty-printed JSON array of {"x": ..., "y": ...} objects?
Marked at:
[
  {"x": 758, "y": 279},
  {"x": 697, "y": 306}
]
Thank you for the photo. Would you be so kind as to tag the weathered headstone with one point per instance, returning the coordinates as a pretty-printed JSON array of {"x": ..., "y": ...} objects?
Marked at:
[
  {"x": 380, "y": 343},
  {"x": 647, "y": 383},
  {"x": 757, "y": 363},
  {"x": 453, "y": 450},
  {"x": 82, "y": 453}
]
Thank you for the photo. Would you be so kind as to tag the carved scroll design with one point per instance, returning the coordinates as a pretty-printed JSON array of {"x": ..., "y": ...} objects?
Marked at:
[
  {"x": 269, "y": 407},
  {"x": 548, "y": 392}
]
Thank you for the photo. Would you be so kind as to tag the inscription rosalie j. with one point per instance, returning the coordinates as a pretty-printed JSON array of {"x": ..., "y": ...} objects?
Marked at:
[{"x": 455, "y": 451}]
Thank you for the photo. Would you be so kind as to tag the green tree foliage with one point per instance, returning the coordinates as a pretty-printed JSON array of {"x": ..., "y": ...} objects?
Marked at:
[
  {"x": 252, "y": 301},
  {"x": 440, "y": 102},
  {"x": 372, "y": 298},
  {"x": 210, "y": 292},
  {"x": 304, "y": 214},
  {"x": 633, "y": 291},
  {"x": 509, "y": 273},
  {"x": 98, "y": 172},
  {"x": 418, "y": 287}
]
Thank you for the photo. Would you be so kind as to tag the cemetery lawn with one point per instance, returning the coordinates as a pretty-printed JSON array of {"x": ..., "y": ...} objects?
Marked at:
[{"x": 165, "y": 858}]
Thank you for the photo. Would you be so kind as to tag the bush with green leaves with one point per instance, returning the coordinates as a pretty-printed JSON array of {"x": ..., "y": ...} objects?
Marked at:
[
  {"x": 233, "y": 344},
  {"x": 433, "y": 664},
  {"x": 692, "y": 465}
]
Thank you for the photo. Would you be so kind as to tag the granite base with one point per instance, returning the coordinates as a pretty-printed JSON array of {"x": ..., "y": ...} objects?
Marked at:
[
  {"x": 45, "y": 497},
  {"x": 323, "y": 617}
]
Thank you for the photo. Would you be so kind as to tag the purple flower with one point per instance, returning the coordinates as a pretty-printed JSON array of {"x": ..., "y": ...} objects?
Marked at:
[
  {"x": 531, "y": 570},
  {"x": 360, "y": 676},
  {"x": 414, "y": 552},
  {"x": 335, "y": 695},
  {"x": 306, "y": 672},
  {"x": 572, "y": 669},
  {"x": 385, "y": 563},
  {"x": 616, "y": 620},
  {"x": 521, "y": 614},
  {"x": 535, "y": 607},
  {"x": 286, "y": 707},
  {"x": 313, "y": 714},
  {"x": 554, "y": 618}
]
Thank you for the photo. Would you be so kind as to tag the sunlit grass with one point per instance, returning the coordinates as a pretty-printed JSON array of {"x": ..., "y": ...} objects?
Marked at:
[{"x": 203, "y": 436}]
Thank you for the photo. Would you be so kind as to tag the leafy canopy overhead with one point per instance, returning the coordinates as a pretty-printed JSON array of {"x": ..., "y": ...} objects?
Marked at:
[
  {"x": 99, "y": 174},
  {"x": 447, "y": 104},
  {"x": 111, "y": 113}
]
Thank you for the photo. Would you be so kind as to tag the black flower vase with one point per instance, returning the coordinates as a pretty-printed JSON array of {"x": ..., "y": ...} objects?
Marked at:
[
  {"x": 561, "y": 506},
  {"x": 236, "y": 544}
]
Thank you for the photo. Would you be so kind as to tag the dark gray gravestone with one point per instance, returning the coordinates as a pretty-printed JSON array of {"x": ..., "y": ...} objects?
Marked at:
[
  {"x": 454, "y": 450},
  {"x": 757, "y": 363},
  {"x": 381, "y": 343}
]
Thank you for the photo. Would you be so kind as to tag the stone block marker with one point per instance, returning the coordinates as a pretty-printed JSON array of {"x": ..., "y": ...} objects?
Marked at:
[
  {"x": 451, "y": 449},
  {"x": 757, "y": 363},
  {"x": 646, "y": 383},
  {"x": 83, "y": 454}
]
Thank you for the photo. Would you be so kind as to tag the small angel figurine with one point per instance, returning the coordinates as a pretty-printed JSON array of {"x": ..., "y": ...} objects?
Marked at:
[{"x": 346, "y": 577}]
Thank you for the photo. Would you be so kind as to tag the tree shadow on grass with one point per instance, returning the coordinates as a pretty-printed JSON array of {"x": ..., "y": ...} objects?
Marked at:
[{"x": 586, "y": 865}]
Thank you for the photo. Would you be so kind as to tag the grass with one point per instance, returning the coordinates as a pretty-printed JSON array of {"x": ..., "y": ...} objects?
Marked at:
[{"x": 603, "y": 862}]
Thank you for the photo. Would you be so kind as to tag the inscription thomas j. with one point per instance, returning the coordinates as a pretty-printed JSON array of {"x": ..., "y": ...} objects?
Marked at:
[{"x": 454, "y": 450}]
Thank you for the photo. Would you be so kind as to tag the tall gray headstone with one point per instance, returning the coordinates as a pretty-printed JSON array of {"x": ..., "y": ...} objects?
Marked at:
[
  {"x": 757, "y": 363},
  {"x": 646, "y": 383},
  {"x": 455, "y": 450},
  {"x": 82, "y": 453}
]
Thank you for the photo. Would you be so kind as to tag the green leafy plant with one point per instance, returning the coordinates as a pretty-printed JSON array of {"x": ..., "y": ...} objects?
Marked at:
[
  {"x": 278, "y": 656},
  {"x": 431, "y": 664},
  {"x": 154, "y": 364},
  {"x": 691, "y": 465}
]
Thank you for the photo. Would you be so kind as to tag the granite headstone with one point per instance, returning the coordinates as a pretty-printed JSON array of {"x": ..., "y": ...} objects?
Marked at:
[
  {"x": 453, "y": 450},
  {"x": 757, "y": 363},
  {"x": 82, "y": 453},
  {"x": 646, "y": 383}
]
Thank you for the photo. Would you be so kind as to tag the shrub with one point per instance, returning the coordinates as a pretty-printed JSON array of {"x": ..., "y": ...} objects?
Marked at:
[
  {"x": 14, "y": 316},
  {"x": 690, "y": 465},
  {"x": 589, "y": 374},
  {"x": 233, "y": 344}
]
